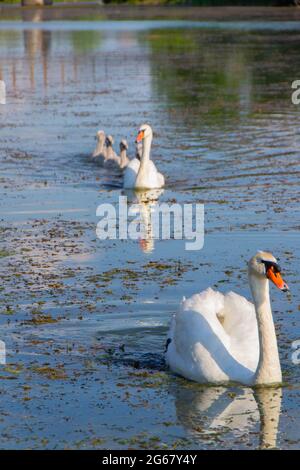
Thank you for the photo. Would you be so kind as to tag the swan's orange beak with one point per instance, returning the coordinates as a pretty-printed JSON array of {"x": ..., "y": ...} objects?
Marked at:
[
  {"x": 276, "y": 278},
  {"x": 140, "y": 136}
]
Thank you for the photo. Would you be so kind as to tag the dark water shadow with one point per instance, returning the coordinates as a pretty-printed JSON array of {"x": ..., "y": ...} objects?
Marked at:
[{"x": 126, "y": 348}]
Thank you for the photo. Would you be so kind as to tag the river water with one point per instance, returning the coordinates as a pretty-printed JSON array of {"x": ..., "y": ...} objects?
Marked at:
[{"x": 84, "y": 320}]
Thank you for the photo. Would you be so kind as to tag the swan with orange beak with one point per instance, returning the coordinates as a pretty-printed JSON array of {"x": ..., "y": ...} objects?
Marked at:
[
  {"x": 218, "y": 337},
  {"x": 147, "y": 175},
  {"x": 273, "y": 271}
]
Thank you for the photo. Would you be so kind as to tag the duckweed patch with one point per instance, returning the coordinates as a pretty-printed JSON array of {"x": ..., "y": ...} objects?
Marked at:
[{"x": 50, "y": 373}]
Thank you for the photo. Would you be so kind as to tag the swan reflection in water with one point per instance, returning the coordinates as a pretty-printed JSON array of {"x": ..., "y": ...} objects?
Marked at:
[
  {"x": 206, "y": 411},
  {"x": 141, "y": 205}
]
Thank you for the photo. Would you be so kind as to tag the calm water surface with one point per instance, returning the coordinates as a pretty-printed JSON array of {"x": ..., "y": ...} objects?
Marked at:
[{"x": 84, "y": 320}]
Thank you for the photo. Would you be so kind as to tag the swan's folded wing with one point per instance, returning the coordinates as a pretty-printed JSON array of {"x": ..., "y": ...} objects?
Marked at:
[
  {"x": 200, "y": 312},
  {"x": 198, "y": 341},
  {"x": 202, "y": 349},
  {"x": 130, "y": 173},
  {"x": 161, "y": 180},
  {"x": 208, "y": 303},
  {"x": 134, "y": 164},
  {"x": 241, "y": 325},
  {"x": 155, "y": 176}
]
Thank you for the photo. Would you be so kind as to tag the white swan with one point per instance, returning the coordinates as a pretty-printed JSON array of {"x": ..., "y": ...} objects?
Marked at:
[
  {"x": 143, "y": 175},
  {"x": 217, "y": 338}
]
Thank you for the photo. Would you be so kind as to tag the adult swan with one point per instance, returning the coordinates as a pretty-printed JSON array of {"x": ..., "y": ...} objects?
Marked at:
[
  {"x": 217, "y": 338},
  {"x": 143, "y": 175}
]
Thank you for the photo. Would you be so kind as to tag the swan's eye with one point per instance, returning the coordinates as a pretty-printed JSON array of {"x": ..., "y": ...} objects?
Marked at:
[{"x": 271, "y": 264}]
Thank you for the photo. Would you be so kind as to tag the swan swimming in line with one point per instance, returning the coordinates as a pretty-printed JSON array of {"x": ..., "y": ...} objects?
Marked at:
[
  {"x": 104, "y": 152},
  {"x": 217, "y": 338},
  {"x": 107, "y": 157},
  {"x": 120, "y": 162},
  {"x": 143, "y": 174}
]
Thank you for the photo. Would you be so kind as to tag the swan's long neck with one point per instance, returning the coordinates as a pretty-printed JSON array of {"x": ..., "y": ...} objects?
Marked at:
[
  {"x": 123, "y": 158},
  {"x": 110, "y": 152},
  {"x": 142, "y": 175},
  {"x": 268, "y": 369},
  {"x": 99, "y": 148},
  {"x": 146, "y": 150},
  {"x": 138, "y": 151}
]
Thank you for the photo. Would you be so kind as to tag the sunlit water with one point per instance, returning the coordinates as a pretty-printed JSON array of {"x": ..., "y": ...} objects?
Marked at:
[{"x": 84, "y": 320}]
